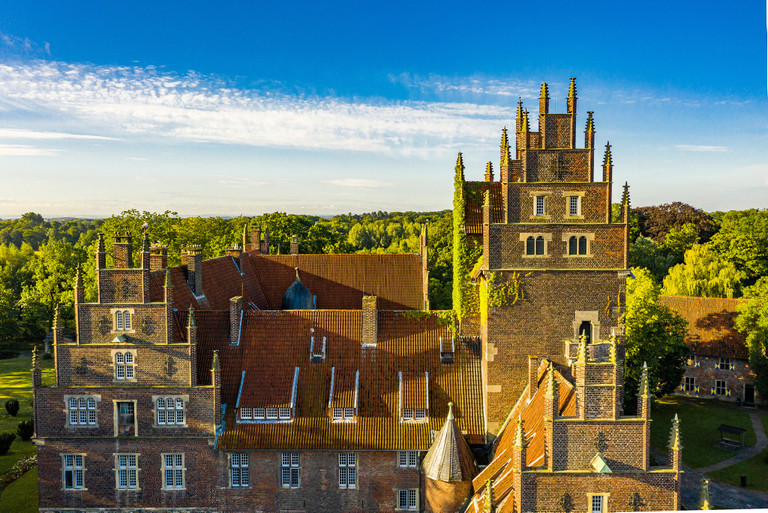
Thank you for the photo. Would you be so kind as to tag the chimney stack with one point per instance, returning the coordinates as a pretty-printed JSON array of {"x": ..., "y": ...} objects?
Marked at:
[
  {"x": 370, "y": 320},
  {"x": 192, "y": 257},
  {"x": 123, "y": 251},
  {"x": 235, "y": 314},
  {"x": 294, "y": 244},
  {"x": 158, "y": 258}
]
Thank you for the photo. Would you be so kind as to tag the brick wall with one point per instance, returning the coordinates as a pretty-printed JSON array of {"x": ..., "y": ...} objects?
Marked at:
[
  {"x": 123, "y": 285},
  {"x": 707, "y": 373},
  {"x": 149, "y": 323},
  {"x": 521, "y": 202},
  {"x": 539, "y": 324},
  {"x": 620, "y": 442}
]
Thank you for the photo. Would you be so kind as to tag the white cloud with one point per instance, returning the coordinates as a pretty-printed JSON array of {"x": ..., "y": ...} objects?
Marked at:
[
  {"x": 691, "y": 147},
  {"x": 17, "y": 133},
  {"x": 21, "y": 150},
  {"x": 358, "y": 182},
  {"x": 130, "y": 102}
]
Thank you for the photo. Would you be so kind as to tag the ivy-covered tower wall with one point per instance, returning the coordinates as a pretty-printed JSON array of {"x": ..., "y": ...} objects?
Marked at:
[{"x": 554, "y": 263}]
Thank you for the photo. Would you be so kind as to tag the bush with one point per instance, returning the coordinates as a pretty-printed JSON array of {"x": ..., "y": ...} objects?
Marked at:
[
  {"x": 7, "y": 354},
  {"x": 12, "y": 407},
  {"x": 6, "y": 439},
  {"x": 26, "y": 429},
  {"x": 47, "y": 356}
]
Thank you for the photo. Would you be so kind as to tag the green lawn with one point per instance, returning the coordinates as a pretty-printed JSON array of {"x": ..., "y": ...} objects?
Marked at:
[
  {"x": 16, "y": 382},
  {"x": 755, "y": 468},
  {"x": 699, "y": 420},
  {"x": 21, "y": 495}
]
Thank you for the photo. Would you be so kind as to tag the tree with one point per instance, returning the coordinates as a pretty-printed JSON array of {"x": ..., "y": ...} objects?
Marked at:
[
  {"x": 657, "y": 221},
  {"x": 680, "y": 240},
  {"x": 743, "y": 240},
  {"x": 646, "y": 253},
  {"x": 655, "y": 335},
  {"x": 752, "y": 319},
  {"x": 703, "y": 273}
]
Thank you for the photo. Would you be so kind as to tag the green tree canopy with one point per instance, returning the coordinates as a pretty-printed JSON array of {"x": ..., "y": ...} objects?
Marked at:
[
  {"x": 703, "y": 273},
  {"x": 753, "y": 320},
  {"x": 657, "y": 221},
  {"x": 743, "y": 240}
]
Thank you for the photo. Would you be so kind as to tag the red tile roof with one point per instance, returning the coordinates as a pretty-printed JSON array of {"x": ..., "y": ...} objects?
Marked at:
[
  {"x": 273, "y": 343},
  {"x": 711, "y": 330}
]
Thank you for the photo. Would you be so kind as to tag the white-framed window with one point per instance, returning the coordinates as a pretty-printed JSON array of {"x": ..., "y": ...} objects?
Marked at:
[
  {"x": 173, "y": 471},
  {"x": 347, "y": 470},
  {"x": 725, "y": 364},
  {"x": 290, "y": 470},
  {"x": 272, "y": 413},
  {"x": 285, "y": 413},
  {"x": 81, "y": 411},
  {"x": 126, "y": 471},
  {"x": 125, "y": 418},
  {"x": 343, "y": 414},
  {"x": 720, "y": 387},
  {"x": 540, "y": 206},
  {"x": 239, "y": 473},
  {"x": 574, "y": 209},
  {"x": 417, "y": 414},
  {"x": 123, "y": 320},
  {"x": 171, "y": 411},
  {"x": 690, "y": 384},
  {"x": 407, "y": 413},
  {"x": 597, "y": 504},
  {"x": 246, "y": 413},
  {"x": 408, "y": 458},
  {"x": 125, "y": 365},
  {"x": 72, "y": 471},
  {"x": 408, "y": 499},
  {"x": 260, "y": 413}
]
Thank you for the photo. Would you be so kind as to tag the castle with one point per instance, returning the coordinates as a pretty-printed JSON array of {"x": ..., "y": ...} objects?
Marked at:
[{"x": 258, "y": 382}]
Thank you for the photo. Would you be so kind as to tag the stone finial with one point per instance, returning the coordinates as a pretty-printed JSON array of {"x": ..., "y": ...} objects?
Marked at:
[
  {"x": 450, "y": 411},
  {"x": 644, "y": 390},
  {"x": 582, "y": 357},
  {"x": 216, "y": 366},
  {"x": 35, "y": 361},
  {"x": 100, "y": 243},
  {"x": 78, "y": 278},
  {"x": 504, "y": 140},
  {"x": 613, "y": 349},
  {"x": 525, "y": 125},
  {"x": 625, "y": 195},
  {"x": 607, "y": 158},
  {"x": 489, "y": 506},
  {"x": 489, "y": 172},
  {"x": 572, "y": 88},
  {"x": 57, "y": 323},
  {"x": 704, "y": 501},
  {"x": 519, "y": 108},
  {"x": 460, "y": 167},
  {"x": 544, "y": 91},
  {"x": 675, "y": 438},
  {"x": 297, "y": 273},
  {"x": 191, "y": 320},
  {"x": 520, "y": 442},
  {"x": 145, "y": 242},
  {"x": 487, "y": 199},
  {"x": 590, "y": 121}
]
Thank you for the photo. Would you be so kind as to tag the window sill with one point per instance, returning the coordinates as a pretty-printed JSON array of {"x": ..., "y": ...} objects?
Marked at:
[
  {"x": 536, "y": 256},
  {"x": 74, "y": 489},
  {"x": 578, "y": 256}
]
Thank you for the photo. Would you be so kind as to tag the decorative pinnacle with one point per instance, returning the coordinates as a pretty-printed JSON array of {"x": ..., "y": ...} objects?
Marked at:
[
  {"x": 100, "y": 244},
  {"x": 572, "y": 88},
  {"x": 504, "y": 140},
  {"x": 489, "y": 172},
  {"x": 145, "y": 242},
  {"x": 57, "y": 317},
  {"x": 590, "y": 122},
  {"x": 675, "y": 441},
  {"x": 450, "y": 411},
  {"x": 78, "y": 278},
  {"x": 544, "y": 91},
  {"x": 489, "y": 506},
  {"x": 191, "y": 321},
  {"x": 35, "y": 362},
  {"x": 215, "y": 366},
  {"x": 644, "y": 389},
  {"x": 607, "y": 159},
  {"x": 519, "y": 108},
  {"x": 625, "y": 195},
  {"x": 487, "y": 199},
  {"x": 459, "y": 167},
  {"x": 705, "y": 501},
  {"x": 525, "y": 126},
  {"x": 168, "y": 281},
  {"x": 297, "y": 273},
  {"x": 550, "y": 381},
  {"x": 520, "y": 442}
]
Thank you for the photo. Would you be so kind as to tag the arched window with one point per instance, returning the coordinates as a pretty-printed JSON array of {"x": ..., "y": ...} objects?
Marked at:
[
  {"x": 586, "y": 329},
  {"x": 124, "y": 366},
  {"x": 582, "y": 245},
  {"x": 122, "y": 320},
  {"x": 539, "y": 245},
  {"x": 530, "y": 246},
  {"x": 572, "y": 246}
]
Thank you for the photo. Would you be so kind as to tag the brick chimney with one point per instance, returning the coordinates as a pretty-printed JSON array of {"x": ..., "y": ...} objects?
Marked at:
[
  {"x": 235, "y": 314},
  {"x": 192, "y": 257},
  {"x": 235, "y": 252},
  {"x": 294, "y": 244},
  {"x": 123, "y": 252},
  {"x": 158, "y": 258},
  {"x": 370, "y": 320}
]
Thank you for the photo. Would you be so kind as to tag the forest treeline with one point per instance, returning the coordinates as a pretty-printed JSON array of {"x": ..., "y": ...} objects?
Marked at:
[{"x": 685, "y": 251}]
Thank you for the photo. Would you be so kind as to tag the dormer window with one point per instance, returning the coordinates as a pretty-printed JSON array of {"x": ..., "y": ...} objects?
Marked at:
[
  {"x": 316, "y": 350},
  {"x": 446, "y": 351},
  {"x": 277, "y": 413},
  {"x": 343, "y": 398},
  {"x": 414, "y": 398}
]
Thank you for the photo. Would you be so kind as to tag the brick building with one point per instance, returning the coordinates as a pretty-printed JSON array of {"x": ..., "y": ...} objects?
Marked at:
[
  {"x": 258, "y": 382},
  {"x": 719, "y": 364}
]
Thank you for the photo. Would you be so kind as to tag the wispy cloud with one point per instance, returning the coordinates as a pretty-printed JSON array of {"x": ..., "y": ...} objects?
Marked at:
[
  {"x": 130, "y": 102},
  {"x": 21, "y": 150},
  {"x": 693, "y": 147},
  {"x": 17, "y": 133},
  {"x": 358, "y": 182}
]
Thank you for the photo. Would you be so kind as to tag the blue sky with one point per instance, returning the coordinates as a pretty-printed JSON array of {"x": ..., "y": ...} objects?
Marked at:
[{"x": 331, "y": 107}]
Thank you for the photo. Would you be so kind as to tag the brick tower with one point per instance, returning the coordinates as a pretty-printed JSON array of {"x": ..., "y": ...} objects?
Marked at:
[{"x": 554, "y": 262}]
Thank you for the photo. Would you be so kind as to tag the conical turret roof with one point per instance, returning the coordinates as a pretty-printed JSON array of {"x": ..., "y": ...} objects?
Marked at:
[{"x": 450, "y": 459}]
